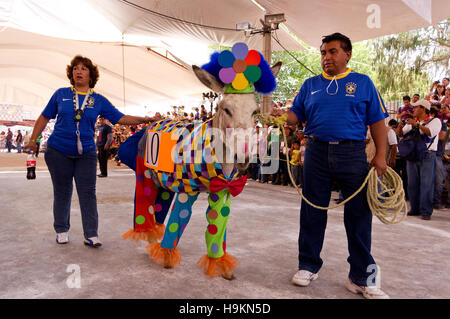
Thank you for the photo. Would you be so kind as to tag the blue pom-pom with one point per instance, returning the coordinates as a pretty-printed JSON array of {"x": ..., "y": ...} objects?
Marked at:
[
  {"x": 213, "y": 65},
  {"x": 266, "y": 84}
]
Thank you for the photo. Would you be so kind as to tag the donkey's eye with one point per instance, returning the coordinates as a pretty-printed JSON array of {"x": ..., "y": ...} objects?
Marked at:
[{"x": 228, "y": 112}]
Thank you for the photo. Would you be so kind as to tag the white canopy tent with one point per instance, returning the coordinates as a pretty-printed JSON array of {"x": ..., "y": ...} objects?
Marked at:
[{"x": 32, "y": 65}]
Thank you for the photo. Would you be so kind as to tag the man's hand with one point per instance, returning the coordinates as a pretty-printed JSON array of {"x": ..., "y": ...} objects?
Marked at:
[
  {"x": 291, "y": 118},
  {"x": 379, "y": 162},
  {"x": 412, "y": 122},
  {"x": 392, "y": 163},
  {"x": 106, "y": 147}
]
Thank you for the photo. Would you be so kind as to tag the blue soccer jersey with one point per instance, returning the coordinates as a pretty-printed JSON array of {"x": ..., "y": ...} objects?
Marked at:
[
  {"x": 340, "y": 109},
  {"x": 61, "y": 107}
]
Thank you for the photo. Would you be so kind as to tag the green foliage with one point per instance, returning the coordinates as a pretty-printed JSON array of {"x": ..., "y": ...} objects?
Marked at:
[
  {"x": 399, "y": 64},
  {"x": 293, "y": 74},
  {"x": 409, "y": 61}
]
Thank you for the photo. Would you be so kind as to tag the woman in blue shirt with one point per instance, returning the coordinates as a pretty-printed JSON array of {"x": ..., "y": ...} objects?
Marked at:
[{"x": 70, "y": 152}]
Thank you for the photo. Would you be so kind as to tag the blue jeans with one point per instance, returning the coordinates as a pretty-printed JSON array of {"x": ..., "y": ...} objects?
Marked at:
[
  {"x": 440, "y": 175},
  {"x": 347, "y": 165},
  {"x": 421, "y": 184},
  {"x": 64, "y": 169}
]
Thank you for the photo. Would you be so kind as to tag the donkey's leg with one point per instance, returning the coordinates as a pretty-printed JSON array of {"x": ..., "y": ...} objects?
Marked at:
[
  {"x": 162, "y": 205},
  {"x": 160, "y": 208},
  {"x": 218, "y": 261},
  {"x": 166, "y": 252},
  {"x": 144, "y": 206}
]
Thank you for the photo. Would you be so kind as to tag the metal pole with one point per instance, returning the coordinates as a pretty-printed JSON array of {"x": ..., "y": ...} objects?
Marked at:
[
  {"x": 123, "y": 73},
  {"x": 266, "y": 103}
]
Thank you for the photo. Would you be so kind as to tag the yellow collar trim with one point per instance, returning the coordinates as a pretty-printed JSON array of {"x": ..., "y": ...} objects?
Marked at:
[
  {"x": 343, "y": 75},
  {"x": 82, "y": 93}
]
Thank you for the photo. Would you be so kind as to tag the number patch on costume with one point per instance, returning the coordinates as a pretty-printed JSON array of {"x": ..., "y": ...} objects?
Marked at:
[{"x": 158, "y": 151}]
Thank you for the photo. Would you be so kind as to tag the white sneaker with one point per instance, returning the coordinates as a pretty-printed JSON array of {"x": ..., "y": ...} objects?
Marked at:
[
  {"x": 303, "y": 278},
  {"x": 93, "y": 242},
  {"x": 369, "y": 292},
  {"x": 62, "y": 238}
]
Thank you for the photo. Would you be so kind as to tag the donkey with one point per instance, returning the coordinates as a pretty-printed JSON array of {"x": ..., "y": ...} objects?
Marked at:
[{"x": 197, "y": 169}]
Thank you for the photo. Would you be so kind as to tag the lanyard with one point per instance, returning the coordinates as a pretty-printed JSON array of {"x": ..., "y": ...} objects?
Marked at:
[
  {"x": 334, "y": 79},
  {"x": 78, "y": 114}
]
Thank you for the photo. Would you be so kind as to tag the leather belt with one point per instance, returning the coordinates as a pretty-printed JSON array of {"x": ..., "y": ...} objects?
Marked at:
[{"x": 315, "y": 139}]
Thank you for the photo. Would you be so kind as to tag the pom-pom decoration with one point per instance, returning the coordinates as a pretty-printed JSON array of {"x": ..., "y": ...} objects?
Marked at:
[
  {"x": 239, "y": 66},
  {"x": 241, "y": 70}
]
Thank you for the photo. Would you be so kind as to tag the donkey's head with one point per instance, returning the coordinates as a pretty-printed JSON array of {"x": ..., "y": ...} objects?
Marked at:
[{"x": 233, "y": 120}]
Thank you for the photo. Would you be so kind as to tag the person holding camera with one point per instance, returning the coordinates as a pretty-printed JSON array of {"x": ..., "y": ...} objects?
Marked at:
[
  {"x": 421, "y": 173},
  {"x": 70, "y": 153},
  {"x": 406, "y": 111}
]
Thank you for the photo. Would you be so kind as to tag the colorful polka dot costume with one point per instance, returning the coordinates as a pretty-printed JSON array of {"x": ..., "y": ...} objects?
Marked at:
[
  {"x": 158, "y": 192},
  {"x": 196, "y": 170}
]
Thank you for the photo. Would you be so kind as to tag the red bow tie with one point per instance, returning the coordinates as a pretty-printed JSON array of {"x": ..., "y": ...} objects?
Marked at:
[{"x": 234, "y": 187}]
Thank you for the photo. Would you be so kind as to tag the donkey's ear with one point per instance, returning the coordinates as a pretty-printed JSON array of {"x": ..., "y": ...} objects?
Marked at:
[
  {"x": 276, "y": 68},
  {"x": 208, "y": 79}
]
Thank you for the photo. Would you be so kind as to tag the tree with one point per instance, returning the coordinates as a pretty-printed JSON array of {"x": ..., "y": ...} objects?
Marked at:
[
  {"x": 293, "y": 74},
  {"x": 407, "y": 62}
]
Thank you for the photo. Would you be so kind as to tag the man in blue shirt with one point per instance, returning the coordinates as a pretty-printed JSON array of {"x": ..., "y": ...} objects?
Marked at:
[{"x": 337, "y": 106}]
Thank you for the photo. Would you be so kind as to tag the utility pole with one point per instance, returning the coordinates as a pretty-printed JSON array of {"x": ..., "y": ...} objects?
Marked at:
[
  {"x": 266, "y": 101},
  {"x": 269, "y": 24}
]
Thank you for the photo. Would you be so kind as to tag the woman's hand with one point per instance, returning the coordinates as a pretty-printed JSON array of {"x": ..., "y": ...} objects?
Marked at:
[{"x": 31, "y": 145}]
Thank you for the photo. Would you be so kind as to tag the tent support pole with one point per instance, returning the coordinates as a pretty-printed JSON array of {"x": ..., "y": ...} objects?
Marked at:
[
  {"x": 123, "y": 73},
  {"x": 266, "y": 101}
]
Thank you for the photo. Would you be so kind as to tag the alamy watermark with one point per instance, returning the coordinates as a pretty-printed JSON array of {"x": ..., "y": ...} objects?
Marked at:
[
  {"x": 233, "y": 145},
  {"x": 74, "y": 280},
  {"x": 374, "y": 19},
  {"x": 374, "y": 278}
]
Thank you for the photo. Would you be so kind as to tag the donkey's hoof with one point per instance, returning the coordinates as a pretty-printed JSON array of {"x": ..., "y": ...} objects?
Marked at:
[
  {"x": 228, "y": 275},
  {"x": 167, "y": 264}
]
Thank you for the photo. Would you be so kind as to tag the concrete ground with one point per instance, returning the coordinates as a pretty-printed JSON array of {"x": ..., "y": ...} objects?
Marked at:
[{"x": 262, "y": 233}]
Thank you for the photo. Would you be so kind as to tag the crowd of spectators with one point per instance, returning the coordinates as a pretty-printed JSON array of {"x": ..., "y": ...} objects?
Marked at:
[
  {"x": 438, "y": 98},
  {"x": 13, "y": 140},
  {"x": 435, "y": 111}
]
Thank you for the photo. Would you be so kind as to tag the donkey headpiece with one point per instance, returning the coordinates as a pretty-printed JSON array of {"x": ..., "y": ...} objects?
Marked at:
[{"x": 241, "y": 70}]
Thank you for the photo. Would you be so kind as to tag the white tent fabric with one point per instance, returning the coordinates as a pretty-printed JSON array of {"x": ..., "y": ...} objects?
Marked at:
[
  {"x": 156, "y": 22},
  {"x": 32, "y": 64}
]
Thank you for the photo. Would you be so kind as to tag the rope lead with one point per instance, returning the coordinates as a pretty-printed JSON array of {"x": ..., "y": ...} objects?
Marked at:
[{"x": 385, "y": 195}]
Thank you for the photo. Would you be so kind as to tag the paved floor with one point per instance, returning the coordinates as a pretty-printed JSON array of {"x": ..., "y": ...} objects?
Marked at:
[{"x": 263, "y": 228}]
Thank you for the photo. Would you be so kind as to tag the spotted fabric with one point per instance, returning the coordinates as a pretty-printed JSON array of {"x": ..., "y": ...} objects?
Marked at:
[{"x": 195, "y": 161}]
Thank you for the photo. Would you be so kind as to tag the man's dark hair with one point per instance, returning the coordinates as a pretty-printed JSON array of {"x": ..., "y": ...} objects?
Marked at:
[
  {"x": 392, "y": 122},
  {"x": 434, "y": 112},
  {"x": 447, "y": 79},
  {"x": 406, "y": 97},
  {"x": 436, "y": 105},
  {"x": 346, "y": 44},
  {"x": 417, "y": 94},
  {"x": 296, "y": 142}
]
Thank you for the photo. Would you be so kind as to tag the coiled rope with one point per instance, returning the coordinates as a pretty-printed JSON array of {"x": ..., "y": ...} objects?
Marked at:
[{"x": 385, "y": 195}]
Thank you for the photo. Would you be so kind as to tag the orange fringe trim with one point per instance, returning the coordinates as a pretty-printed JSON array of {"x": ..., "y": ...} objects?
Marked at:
[
  {"x": 218, "y": 266},
  {"x": 166, "y": 257},
  {"x": 151, "y": 236}
]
